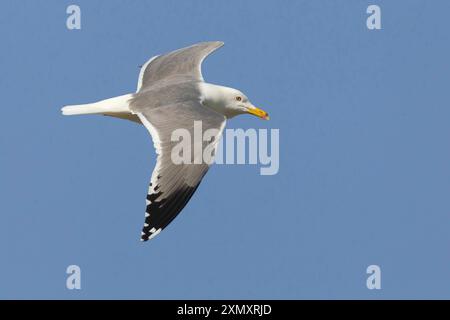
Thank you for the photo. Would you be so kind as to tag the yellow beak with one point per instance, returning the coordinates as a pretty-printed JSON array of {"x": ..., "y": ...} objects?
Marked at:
[{"x": 259, "y": 113}]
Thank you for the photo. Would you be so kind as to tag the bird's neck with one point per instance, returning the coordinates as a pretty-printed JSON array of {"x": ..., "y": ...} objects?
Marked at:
[{"x": 215, "y": 97}]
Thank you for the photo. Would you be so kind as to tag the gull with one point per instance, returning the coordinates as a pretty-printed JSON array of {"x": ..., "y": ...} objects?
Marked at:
[{"x": 171, "y": 94}]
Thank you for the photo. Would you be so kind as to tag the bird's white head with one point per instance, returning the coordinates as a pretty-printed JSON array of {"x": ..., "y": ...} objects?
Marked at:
[{"x": 229, "y": 102}]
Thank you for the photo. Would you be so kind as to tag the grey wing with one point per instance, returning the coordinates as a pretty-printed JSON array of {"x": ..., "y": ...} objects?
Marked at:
[
  {"x": 182, "y": 63},
  {"x": 173, "y": 184}
]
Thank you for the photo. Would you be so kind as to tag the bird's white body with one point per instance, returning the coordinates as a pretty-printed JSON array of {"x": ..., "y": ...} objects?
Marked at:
[{"x": 218, "y": 98}]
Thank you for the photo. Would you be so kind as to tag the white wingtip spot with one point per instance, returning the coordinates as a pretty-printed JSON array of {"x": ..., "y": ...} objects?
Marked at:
[{"x": 155, "y": 233}]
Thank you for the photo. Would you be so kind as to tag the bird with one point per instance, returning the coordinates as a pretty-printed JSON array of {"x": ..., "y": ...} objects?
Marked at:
[{"x": 172, "y": 94}]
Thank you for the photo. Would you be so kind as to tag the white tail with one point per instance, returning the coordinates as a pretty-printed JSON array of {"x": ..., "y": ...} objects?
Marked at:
[{"x": 115, "y": 105}]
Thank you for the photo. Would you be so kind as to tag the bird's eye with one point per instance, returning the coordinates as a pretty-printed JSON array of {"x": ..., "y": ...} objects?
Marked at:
[{"x": 238, "y": 98}]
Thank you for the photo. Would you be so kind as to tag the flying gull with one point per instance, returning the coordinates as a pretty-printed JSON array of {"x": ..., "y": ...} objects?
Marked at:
[{"x": 171, "y": 94}]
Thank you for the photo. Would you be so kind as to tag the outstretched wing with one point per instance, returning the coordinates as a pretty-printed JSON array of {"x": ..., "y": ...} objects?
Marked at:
[
  {"x": 173, "y": 183},
  {"x": 182, "y": 63}
]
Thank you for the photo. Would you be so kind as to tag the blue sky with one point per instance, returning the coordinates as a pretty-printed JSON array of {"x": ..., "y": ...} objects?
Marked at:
[{"x": 364, "y": 159}]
